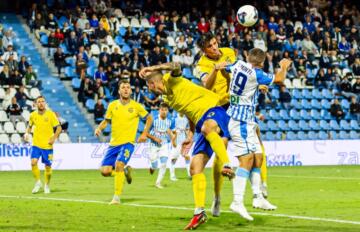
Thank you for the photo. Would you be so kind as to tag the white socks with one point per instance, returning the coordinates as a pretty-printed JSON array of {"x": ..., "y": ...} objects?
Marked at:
[
  {"x": 239, "y": 184},
  {"x": 255, "y": 180}
]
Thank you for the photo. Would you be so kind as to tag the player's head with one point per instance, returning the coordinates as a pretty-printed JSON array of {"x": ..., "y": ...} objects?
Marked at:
[
  {"x": 256, "y": 57},
  {"x": 209, "y": 45},
  {"x": 163, "y": 110},
  {"x": 155, "y": 84},
  {"x": 40, "y": 103},
  {"x": 124, "y": 89}
]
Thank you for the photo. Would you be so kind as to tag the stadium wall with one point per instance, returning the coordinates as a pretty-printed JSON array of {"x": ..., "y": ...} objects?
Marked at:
[{"x": 279, "y": 153}]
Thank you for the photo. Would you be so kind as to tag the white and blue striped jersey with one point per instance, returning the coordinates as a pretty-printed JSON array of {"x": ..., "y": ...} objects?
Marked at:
[
  {"x": 181, "y": 125},
  {"x": 245, "y": 81},
  {"x": 159, "y": 129}
]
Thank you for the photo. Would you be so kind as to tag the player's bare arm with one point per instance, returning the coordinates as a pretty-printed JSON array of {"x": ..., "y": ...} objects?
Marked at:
[
  {"x": 144, "y": 135},
  {"x": 55, "y": 136},
  {"x": 281, "y": 74},
  {"x": 174, "y": 67},
  {"x": 101, "y": 126}
]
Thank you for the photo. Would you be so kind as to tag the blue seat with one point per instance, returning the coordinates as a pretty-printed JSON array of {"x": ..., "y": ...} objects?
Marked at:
[
  {"x": 334, "y": 125},
  {"x": 122, "y": 31},
  {"x": 291, "y": 135},
  {"x": 274, "y": 114},
  {"x": 119, "y": 40},
  {"x": 325, "y": 104},
  {"x": 315, "y": 104},
  {"x": 316, "y": 94},
  {"x": 345, "y": 104},
  {"x": 325, "y": 114},
  {"x": 293, "y": 125},
  {"x": 343, "y": 135},
  {"x": 295, "y": 103},
  {"x": 152, "y": 31},
  {"x": 305, "y": 104},
  {"x": 92, "y": 63},
  {"x": 303, "y": 125},
  {"x": 279, "y": 135},
  {"x": 90, "y": 71},
  {"x": 272, "y": 125},
  {"x": 263, "y": 126},
  {"x": 354, "y": 125},
  {"x": 354, "y": 135},
  {"x": 315, "y": 114},
  {"x": 344, "y": 125},
  {"x": 334, "y": 135},
  {"x": 75, "y": 83},
  {"x": 269, "y": 135},
  {"x": 70, "y": 72},
  {"x": 126, "y": 49},
  {"x": 275, "y": 93},
  {"x": 305, "y": 115},
  {"x": 71, "y": 61},
  {"x": 44, "y": 40},
  {"x": 327, "y": 94},
  {"x": 64, "y": 48},
  {"x": 314, "y": 125},
  {"x": 284, "y": 115},
  {"x": 323, "y": 135},
  {"x": 282, "y": 125},
  {"x": 312, "y": 135},
  {"x": 324, "y": 125},
  {"x": 301, "y": 135},
  {"x": 306, "y": 94},
  {"x": 90, "y": 105},
  {"x": 296, "y": 94},
  {"x": 294, "y": 114}
]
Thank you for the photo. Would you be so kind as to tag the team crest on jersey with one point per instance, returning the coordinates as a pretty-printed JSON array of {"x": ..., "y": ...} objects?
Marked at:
[
  {"x": 131, "y": 110},
  {"x": 211, "y": 114}
]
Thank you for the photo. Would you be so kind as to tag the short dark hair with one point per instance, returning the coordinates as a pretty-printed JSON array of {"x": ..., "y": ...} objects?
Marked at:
[
  {"x": 205, "y": 40},
  {"x": 41, "y": 96},
  {"x": 164, "y": 105},
  {"x": 154, "y": 74},
  {"x": 124, "y": 81},
  {"x": 256, "y": 56}
]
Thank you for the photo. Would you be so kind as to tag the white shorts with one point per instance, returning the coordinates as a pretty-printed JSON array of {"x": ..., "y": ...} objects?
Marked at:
[
  {"x": 244, "y": 137},
  {"x": 157, "y": 152}
]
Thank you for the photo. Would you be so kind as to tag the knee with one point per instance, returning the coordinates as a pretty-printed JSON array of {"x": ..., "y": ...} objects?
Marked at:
[
  {"x": 33, "y": 162},
  {"x": 105, "y": 173},
  {"x": 119, "y": 166},
  {"x": 209, "y": 126}
]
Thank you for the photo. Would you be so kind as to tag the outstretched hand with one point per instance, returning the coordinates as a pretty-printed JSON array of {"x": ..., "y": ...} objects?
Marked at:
[
  {"x": 285, "y": 63},
  {"x": 145, "y": 72}
]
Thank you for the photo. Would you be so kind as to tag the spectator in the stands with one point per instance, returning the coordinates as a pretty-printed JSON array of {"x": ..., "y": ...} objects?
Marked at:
[
  {"x": 59, "y": 60},
  {"x": 99, "y": 111},
  {"x": 10, "y": 52},
  {"x": 94, "y": 21},
  {"x": 16, "y": 78},
  {"x": 21, "y": 96},
  {"x": 181, "y": 43},
  {"x": 325, "y": 61},
  {"x": 82, "y": 21},
  {"x": 7, "y": 39},
  {"x": 40, "y": 26},
  {"x": 105, "y": 22},
  {"x": 157, "y": 57},
  {"x": 86, "y": 90},
  {"x": 14, "y": 111},
  {"x": 151, "y": 100},
  {"x": 99, "y": 7},
  {"x": 246, "y": 45},
  {"x": 115, "y": 56},
  {"x": 7, "y": 98},
  {"x": 346, "y": 88},
  {"x": 23, "y": 65},
  {"x": 355, "y": 108},
  {"x": 53, "y": 43},
  {"x": 101, "y": 75},
  {"x": 99, "y": 90},
  {"x": 159, "y": 42},
  {"x": 12, "y": 64},
  {"x": 105, "y": 62},
  {"x": 344, "y": 46},
  {"x": 203, "y": 26},
  {"x": 30, "y": 78},
  {"x": 135, "y": 64},
  {"x": 308, "y": 25},
  {"x": 59, "y": 35},
  {"x": 138, "y": 95},
  {"x": 5, "y": 75},
  {"x": 260, "y": 43},
  {"x": 72, "y": 43},
  {"x": 100, "y": 34},
  {"x": 356, "y": 67},
  {"x": 188, "y": 59},
  {"x": 51, "y": 23},
  {"x": 309, "y": 46},
  {"x": 336, "y": 110},
  {"x": 177, "y": 57},
  {"x": 284, "y": 97},
  {"x": 80, "y": 63}
]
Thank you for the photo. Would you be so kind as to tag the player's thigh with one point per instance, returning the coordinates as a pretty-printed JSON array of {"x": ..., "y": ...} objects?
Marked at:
[
  {"x": 198, "y": 163},
  {"x": 35, "y": 155},
  {"x": 154, "y": 153},
  {"x": 110, "y": 156},
  {"x": 258, "y": 160},
  {"x": 47, "y": 157}
]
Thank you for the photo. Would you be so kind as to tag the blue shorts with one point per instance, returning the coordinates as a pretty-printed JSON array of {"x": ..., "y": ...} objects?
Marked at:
[
  {"x": 120, "y": 153},
  {"x": 45, "y": 154},
  {"x": 220, "y": 116}
]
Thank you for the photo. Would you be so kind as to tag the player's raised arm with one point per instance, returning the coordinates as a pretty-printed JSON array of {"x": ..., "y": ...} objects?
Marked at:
[
  {"x": 281, "y": 74},
  {"x": 174, "y": 67}
]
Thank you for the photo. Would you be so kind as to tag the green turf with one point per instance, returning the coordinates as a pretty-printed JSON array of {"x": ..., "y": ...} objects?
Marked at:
[{"x": 293, "y": 190}]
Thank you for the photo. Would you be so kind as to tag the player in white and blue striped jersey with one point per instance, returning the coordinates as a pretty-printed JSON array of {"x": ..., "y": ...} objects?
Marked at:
[
  {"x": 181, "y": 131},
  {"x": 246, "y": 77},
  {"x": 162, "y": 141}
]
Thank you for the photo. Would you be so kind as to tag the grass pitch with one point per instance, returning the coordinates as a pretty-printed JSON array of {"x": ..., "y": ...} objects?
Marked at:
[{"x": 324, "y": 198}]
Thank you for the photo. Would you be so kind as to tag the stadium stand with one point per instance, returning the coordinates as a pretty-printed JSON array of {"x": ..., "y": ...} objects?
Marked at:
[{"x": 100, "y": 48}]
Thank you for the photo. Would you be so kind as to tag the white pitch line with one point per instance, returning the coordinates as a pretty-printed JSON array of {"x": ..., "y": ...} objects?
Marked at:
[
  {"x": 315, "y": 177},
  {"x": 185, "y": 208}
]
